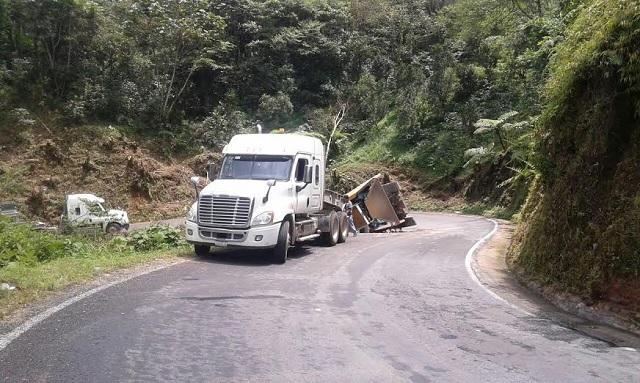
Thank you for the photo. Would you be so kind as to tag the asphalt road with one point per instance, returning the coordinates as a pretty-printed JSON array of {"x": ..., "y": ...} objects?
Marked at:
[{"x": 380, "y": 308}]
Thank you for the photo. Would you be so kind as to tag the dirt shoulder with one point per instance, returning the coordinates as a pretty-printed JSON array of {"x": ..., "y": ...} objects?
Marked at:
[{"x": 489, "y": 265}]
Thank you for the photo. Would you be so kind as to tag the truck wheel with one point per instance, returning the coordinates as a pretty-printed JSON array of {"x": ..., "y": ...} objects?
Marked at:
[
  {"x": 344, "y": 227},
  {"x": 114, "y": 228},
  {"x": 331, "y": 238},
  {"x": 202, "y": 250},
  {"x": 282, "y": 248}
]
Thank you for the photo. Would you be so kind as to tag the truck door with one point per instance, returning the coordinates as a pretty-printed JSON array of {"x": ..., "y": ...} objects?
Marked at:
[
  {"x": 316, "y": 186},
  {"x": 303, "y": 197},
  {"x": 85, "y": 213},
  {"x": 84, "y": 217},
  {"x": 76, "y": 213}
]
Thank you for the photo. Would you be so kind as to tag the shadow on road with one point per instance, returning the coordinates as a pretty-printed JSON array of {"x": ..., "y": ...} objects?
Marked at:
[
  {"x": 244, "y": 257},
  {"x": 299, "y": 251}
]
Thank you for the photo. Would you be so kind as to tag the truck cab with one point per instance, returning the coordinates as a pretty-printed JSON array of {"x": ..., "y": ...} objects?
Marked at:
[
  {"x": 88, "y": 211},
  {"x": 270, "y": 193}
]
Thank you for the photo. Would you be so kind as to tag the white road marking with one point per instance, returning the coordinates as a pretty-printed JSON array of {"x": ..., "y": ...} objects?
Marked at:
[
  {"x": 6, "y": 339},
  {"x": 469, "y": 259},
  {"x": 472, "y": 273}
]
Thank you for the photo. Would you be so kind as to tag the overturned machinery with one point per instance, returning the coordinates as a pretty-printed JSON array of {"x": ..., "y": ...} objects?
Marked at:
[{"x": 378, "y": 206}]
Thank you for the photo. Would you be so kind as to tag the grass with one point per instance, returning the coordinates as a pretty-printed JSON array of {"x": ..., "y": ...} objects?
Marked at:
[
  {"x": 37, "y": 282},
  {"x": 38, "y": 263}
]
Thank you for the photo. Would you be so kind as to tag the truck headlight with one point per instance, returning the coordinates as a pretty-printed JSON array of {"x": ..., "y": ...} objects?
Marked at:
[
  {"x": 192, "y": 214},
  {"x": 263, "y": 219}
]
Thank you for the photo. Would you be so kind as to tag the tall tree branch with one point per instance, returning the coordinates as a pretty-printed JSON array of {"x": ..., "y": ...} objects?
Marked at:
[{"x": 342, "y": 111}]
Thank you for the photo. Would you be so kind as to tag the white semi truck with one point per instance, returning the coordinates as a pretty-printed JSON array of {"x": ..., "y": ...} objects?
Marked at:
[
  {"x": 88, "y": 211},
  {"x": 269, "y": 194}
]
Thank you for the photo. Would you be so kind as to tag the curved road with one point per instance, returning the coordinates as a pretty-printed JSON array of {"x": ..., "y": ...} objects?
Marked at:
[{"x": 380, "y": 308}]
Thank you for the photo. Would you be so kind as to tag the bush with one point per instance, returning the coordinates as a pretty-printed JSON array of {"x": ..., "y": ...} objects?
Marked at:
[
  {"x": 216, "y": 130},
  {"x": 275, "y": 109},
  {"x": 21, "y": 243},
  {"x": 156, "y": 237}
]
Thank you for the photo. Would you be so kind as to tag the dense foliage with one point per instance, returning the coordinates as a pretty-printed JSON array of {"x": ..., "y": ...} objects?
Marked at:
[
  {"x": 20, "y": 243},
  {"x": 155, "y": 237},
  {"x": 170, "y": 66},
  {"x": 582, "y": 222}
]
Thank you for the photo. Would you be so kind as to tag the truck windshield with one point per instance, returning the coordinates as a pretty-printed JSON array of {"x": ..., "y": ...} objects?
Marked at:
[{"x": 250, "y": 167}]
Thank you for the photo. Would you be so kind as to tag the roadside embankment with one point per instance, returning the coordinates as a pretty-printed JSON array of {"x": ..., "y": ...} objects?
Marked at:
[
  {"x": 580, "y": 228},
  {"x": 39, "y": 168}
]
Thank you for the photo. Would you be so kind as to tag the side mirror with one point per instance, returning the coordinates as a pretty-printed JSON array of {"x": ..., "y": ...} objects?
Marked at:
[
  {"x": 308, "y": 174},
  {"x": 195, "y": 181},
  {"x": 270, "y": 183},
  {"x": 211, "y": 172}
]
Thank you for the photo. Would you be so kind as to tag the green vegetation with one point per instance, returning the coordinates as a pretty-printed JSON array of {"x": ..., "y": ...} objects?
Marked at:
[
  {"x": 456, "y": 73},
  {"x": 581, "y": 225},
  {"x": 480, "y": 104},
  {"x": 37, "y": 263}
]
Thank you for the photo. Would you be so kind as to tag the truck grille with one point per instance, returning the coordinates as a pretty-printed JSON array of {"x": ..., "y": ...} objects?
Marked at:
[{"x": 218, "y": 211}]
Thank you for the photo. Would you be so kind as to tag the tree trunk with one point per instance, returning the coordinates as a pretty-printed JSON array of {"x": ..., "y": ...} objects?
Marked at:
[
  {"x": 336, "y": 122},
  {"x": 500, "y": 139},
  {"x": 169, "y": 88},
  {"x": 181, "y": 90}
]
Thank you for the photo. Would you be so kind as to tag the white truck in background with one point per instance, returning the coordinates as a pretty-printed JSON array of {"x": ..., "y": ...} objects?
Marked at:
[
  {"x": 88, "y": 211},
  {"x": 270, "y": 193}
]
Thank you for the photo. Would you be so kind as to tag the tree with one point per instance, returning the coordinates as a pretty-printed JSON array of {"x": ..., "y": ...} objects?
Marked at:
[
  {"x": 337, "y": 119},
  {"x": 498, "y": 127},
  {"x": 515, "y": 139},
  {"x": 53, "y": 36},
  {"x": 275, "y": 109},
  {"x": 179, "y": 38}
]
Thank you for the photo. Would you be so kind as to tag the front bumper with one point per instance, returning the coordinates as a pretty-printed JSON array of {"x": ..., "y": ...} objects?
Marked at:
[{"x": 255, "y": 237}]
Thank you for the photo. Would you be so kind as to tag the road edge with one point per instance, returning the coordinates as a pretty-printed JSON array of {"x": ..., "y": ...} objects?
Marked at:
[
  {"x": 73, "y": 296},
  {"x": 488, "y": 267},
  {"x": 598, "y": 313}
]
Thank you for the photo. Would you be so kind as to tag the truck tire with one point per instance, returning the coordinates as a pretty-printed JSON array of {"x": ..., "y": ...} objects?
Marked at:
[
  {"x": 281, "y": 250},
  {"x": 202, "y": 250},
  {"x": 331, "y": 238},
  {"x": 344, "y": 227},
  {"x": 114, "y": 228}
]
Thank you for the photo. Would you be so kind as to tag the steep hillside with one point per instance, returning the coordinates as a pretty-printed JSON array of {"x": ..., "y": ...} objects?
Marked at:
[
  {"x": 433, "y": 172},
  {"x": 580, "y": 228},
  {"x": 38, "y": 168}
]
